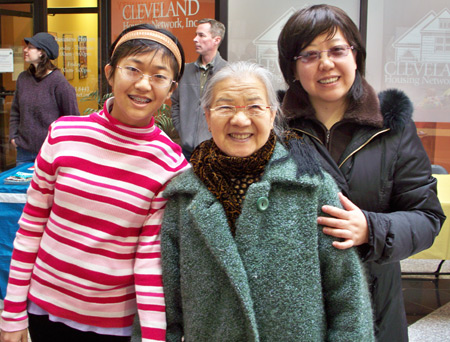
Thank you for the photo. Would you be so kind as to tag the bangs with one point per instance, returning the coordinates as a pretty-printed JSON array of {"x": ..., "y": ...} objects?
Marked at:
[
  {"x": 317, "y": 25},
  {"x": 142, "y": 46}
]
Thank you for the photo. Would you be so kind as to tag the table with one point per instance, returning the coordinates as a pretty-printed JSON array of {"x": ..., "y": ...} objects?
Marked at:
[
  {"x": 12, "y": 201},
  {"x": 441, "y": 246}
]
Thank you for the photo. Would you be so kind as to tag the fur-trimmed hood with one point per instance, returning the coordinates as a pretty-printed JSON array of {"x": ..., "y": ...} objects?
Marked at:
[
  {"x": 390, "y": 109},
  {"x": 396, "y": 108}
]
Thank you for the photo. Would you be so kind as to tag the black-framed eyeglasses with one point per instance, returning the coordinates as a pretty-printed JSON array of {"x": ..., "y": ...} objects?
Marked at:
[
  {"x": 249, "y": 110},
  {"x": 133, "y": 74},
  {"x": 335, "y": 53}
]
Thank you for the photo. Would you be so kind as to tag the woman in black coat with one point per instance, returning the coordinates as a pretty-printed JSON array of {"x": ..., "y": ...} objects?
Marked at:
[{"x": 369, "y": 144}]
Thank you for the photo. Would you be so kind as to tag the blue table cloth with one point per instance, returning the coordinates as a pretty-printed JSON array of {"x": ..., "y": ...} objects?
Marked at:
[{"x": 12, "y": 201}]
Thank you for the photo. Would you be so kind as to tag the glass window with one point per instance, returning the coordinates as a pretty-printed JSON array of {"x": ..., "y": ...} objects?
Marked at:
[
  {"x": 71, "y": 3},
  {"x": 411, "y": 52},
  {"x": 16, "y": 21},
  {"x": 254, "y": 27},
  {"x": 77, "y": 36}
]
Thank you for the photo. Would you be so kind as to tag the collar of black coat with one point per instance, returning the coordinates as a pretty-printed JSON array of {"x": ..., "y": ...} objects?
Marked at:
[{"x": 390, "y": 109}]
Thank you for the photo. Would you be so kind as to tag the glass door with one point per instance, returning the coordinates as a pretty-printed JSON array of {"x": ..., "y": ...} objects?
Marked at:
[
  {"x": 16, "y": 23},
  {"x": 77, "y": 35}
]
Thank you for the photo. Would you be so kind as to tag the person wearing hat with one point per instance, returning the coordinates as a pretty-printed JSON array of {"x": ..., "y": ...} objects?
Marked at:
[{"x": 42, "y": 95}]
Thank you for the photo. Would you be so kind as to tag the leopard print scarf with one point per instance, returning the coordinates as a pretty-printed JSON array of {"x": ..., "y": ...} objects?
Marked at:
[{"x": 228, "y": 178}]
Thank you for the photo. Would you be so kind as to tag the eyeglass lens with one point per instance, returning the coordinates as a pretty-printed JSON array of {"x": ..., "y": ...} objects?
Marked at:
[
  {"x": 251, "y": 110},
  {"x": 134, "y": 74},
  {"x": 335, "y": 52}
]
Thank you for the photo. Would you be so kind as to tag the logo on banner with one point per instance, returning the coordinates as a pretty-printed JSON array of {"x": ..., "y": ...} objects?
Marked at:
[
  {"x": 422, "y": 54},
  {"x": 167, "y": 15}
]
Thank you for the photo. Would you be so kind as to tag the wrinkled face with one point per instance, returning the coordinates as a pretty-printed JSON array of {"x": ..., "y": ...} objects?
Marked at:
[
  {"x": 240, "y": 135},
  {"x": 32, "y": 54},
  {"x": 327, "y": 80},
  {"x": 204, "y": 42},
  {"x": 135, "y": 102}
]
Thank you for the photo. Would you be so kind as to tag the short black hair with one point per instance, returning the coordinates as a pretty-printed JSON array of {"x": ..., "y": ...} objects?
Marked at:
[{"x": 302, "y": 28}]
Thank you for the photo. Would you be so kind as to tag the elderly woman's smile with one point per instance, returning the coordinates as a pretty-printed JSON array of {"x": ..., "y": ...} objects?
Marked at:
[
  {"x": 240, "y": 136},
  {"x": 235, "y": 128}
]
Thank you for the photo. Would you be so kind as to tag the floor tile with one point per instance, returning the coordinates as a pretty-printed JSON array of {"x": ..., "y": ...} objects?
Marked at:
[{"x": 424, "y": 294}]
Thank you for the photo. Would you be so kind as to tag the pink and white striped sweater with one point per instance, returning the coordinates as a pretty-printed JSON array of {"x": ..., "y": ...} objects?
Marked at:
[{"x": 88, "y": 246}]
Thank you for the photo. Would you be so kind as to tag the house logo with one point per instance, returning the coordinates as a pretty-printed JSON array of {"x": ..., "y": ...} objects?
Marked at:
[
  {"x": 422, "y": 54},
  {"x": 267, "y": 45}
]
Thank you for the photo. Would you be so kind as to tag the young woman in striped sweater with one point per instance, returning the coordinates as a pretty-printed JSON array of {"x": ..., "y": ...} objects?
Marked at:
[{"x": 87, "y": 255}]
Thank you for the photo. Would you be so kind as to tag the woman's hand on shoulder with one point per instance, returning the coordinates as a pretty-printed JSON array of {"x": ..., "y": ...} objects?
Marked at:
[
  {"x": 348, "y": 224},
  {"x": 14, "y": 336}
]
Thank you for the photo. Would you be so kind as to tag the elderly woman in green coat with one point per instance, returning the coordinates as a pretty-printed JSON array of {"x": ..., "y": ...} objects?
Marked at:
[{"x": 243, "y": 256}]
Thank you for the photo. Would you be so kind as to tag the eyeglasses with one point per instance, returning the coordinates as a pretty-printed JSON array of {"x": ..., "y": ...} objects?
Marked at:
[
  {"x": 134, "y": 74},
  {"x": 336, "y": 52},
  {"x": 249, "y": 110}
]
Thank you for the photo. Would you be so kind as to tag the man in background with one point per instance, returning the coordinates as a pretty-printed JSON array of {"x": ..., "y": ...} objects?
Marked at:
[{"x": 187, "y": 115}]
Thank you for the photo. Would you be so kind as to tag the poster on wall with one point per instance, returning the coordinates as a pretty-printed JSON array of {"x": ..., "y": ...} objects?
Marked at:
[
  {"x": 6, "y": 60},
  {"x": 82, "y": 57},
  {"x": 179, "y": 17},
  {"x": 416, "y": 56},
  {"x": 68, "y": 58}
]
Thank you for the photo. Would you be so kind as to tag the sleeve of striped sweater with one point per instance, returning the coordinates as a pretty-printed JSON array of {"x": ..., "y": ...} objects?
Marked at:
[
  {"x": 148, "y": 278},
  {"x": 31, "y": 227}
]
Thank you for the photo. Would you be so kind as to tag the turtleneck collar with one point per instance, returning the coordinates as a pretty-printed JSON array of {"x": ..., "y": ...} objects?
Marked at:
[{"x": 106, "y": 119}]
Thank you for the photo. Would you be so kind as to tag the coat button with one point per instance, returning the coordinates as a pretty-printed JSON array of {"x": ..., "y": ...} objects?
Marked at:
[{"x": 262, "y": 203}]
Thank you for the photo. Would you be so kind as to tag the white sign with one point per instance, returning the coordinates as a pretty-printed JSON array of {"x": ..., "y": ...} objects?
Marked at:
[{"x": 6, "y": 60}]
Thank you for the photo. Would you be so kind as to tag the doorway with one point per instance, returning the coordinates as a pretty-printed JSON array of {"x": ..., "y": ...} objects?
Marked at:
[{"x": 16, "y": 23}]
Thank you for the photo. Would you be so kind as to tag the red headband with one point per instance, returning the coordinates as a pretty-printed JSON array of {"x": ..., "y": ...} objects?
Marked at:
[{"x": 155, "y": 36}]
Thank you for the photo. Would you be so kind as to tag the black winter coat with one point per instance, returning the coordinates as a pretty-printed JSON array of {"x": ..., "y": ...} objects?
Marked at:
[{"x": 386, "y": 172}]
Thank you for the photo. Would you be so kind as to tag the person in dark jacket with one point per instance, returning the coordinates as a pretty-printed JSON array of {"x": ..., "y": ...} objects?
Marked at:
[
  {"x": 243, "y": 258},
  {"x": 42, "y": 95},
  {"x": 369, "y": 144}
]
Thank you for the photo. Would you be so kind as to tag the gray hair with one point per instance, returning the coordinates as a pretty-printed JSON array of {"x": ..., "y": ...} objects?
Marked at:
[
  {"x": 217, "y": 28},
  {"x": 243, "y": 70}
]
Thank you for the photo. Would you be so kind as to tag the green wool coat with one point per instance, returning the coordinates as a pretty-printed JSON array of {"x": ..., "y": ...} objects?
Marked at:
[{"x": 278, "y": 279}]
